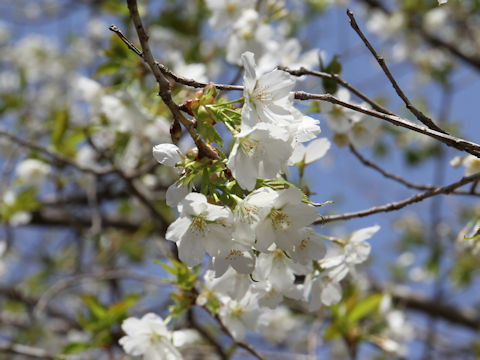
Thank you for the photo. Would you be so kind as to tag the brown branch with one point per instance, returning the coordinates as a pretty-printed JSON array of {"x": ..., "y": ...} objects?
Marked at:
[
  {"x": 467, "y": 317},
  {"x": 43, "y": 301},
  {"x": 381, "y": 61},
  {"x": 24, "y": 350},
  {"x": 401, "y": 180},
  {"x": 457, "y": 143},
  {"x": 17, "y": 295},
  {"x": 165, "y": 71},
  {"x": 470, "y": 59},
  {"x": 59, "y": 159},
  {"x": 387, "y": 174},
  {"x": 303, "y": 71},
  {"x": 400, "y": 204},
  {"x": 51, "y": 218},
  {"x": 206, "y": 335},
  {"x": 378, "y": 111},
  {"x": 164, "y": 86}
]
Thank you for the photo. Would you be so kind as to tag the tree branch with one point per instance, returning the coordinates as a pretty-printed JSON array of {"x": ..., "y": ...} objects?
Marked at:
[
  {"x": 30, "y": 351},
  {"x": 400, "y": 204},
  {"x": 381, "y": 61},
  {"x": 62, "y": 160},
  {"x": 457, "y": 143},
  {"x": 303, "y": 71},
  {"x": 378, "y": 112},
  {"x": 470, "y": 59},
  {"x": 164, "y": 86},
  {"x": 402, "y": 295}
]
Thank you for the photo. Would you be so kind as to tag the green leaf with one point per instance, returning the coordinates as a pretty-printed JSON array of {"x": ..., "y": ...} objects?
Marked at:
[
  {"x": 98, "y": 310},
  {"x": 334, "y": 67},
  {"x": 60, "y": 126},
  {"x": 75, "y": 347},
  {"x": 365, "y": 308}
]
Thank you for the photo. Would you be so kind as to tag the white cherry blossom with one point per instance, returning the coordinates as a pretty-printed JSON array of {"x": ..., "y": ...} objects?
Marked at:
[
  {"x": 32, "y": 172},
  {"x": 314, "y": 151},
  {"x": 240, "y": 315},
  {"x": 278, "y": 271},
  {"x": 250, "y": 211},
  {"x": 248, "y": 33},
  {"x": 342, "y": 259},
  {"x": 267, "y": 98},
  {"x": 231, "y": 283},
  {"x": 261, "y": 151},
  {"x": 167, "y": 154},
  {"x": 201, "y": 227},
  {"x": 320, "y": 289},
  {"x": 285, "y": 222},
  {"x": 149, "y": 337},
  {"x": 226, "y": 12}
]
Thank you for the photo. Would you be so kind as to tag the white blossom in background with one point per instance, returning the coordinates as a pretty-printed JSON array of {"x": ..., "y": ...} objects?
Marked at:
[
  {"x": 149, "y": 337},
  {"x": 468, "y": 239},
  {"x": 470, "y": 162},
  {"x": 339, "y": 118},
  {"x": 350, "y": 127},
  {"x": 341, "y": 259},
  {"x": 32, "y": 172},
  {"x": 186, "y": 338},
  {"x": 248, "y": 33},
  {"x": 238, "y": 316},
  {"x": 287, "y": 53},
  {"x": 275, "y": 275},
  {"x": 226, "y": 12},
  {"x": 201, "y": 227},
  {"x": 195, "y": 71},
  {"x": 398, "y": 331},
  {"x": 364, "y": 130},
  {"x": 440, "y": 2},
  {"x": 320, "y": 288},
  {"x": 231, "y": 284},
  {"x": 280, "y": 326}
]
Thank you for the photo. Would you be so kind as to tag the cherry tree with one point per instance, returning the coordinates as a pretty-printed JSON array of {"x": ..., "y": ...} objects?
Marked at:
[{"x": 174, "y": 184}]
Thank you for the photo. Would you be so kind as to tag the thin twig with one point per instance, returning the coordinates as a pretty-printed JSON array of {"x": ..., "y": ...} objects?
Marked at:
[
  {"x": 463, "y": 316},
  {"x": 75, "y": 280},
  {"x": 24, "y": 350},
  {"x": 381, "y": 61},
  {"x": 457, "y": 143},
  {"x": 400, "y": 204},
  {"x": 303, "y": 71},
  {"x": 164, "y": 86},
  {"x": 165, "y": 71},
  {"x": 387, "y": 174},
  {"x": 61, "y": 160},
  {"x": 401, "y": 180},
  {"x": 469, "y": 58},
  {"x": 378, "y": 111},
  {"x": 206, "y": 335}
]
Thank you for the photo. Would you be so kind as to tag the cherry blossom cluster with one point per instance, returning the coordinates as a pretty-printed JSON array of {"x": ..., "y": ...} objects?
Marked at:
[
  {"x": 262, "y": 241},
  {"x": 248, "y": 29}
]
